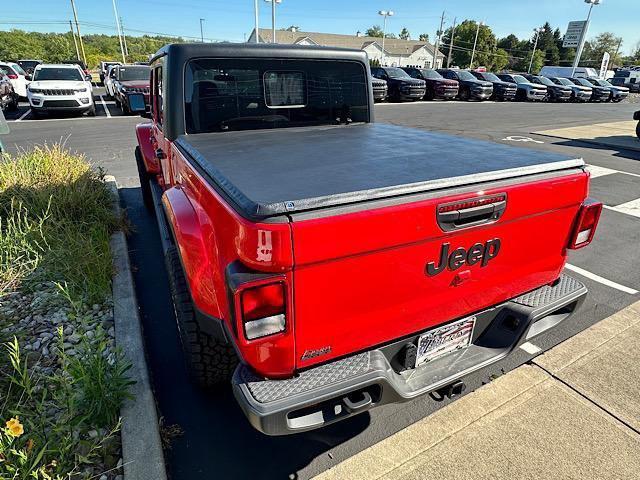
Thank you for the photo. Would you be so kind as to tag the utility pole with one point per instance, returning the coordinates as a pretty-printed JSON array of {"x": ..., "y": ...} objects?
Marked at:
[
  {"x": 75, "y": 17},
  {"x": 535, "y": 45},
  {"x": 583, "y": 37},
  {"x": 124, "y": 38},
  {"x": 613, "y": 59},
  {"x": 75, "y": 42},
  {"x": 453, "y": 32},
  {"x": 475, "y": 43},
  {"x": 201, "y": 30},
  {"x": 434, "y": 64},
  {"x": 115, "y": 13},
  {"x": 257, "y": 28}
]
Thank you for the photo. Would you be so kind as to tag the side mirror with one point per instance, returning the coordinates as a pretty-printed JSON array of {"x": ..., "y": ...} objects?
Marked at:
[
  {"x": 146, "y": 114},
  {"x": 88, "y": 78},
  {"x": 28, "y": 77}
]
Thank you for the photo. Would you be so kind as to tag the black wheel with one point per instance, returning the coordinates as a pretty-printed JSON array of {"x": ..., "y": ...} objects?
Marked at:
[
  {"x": 92, "y": 111},
  {"x": 638, "y": 130},
  {"x": 210, "y": 362},
  {"x": 521, "y": 96},
  {"x": 464, "y": 94},
  {"x": 145, "y": 188},
  {"x": 35, "y": 113}
]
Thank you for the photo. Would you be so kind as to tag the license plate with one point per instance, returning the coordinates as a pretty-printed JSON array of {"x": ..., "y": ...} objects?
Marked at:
[
  {"x": 445, "y": 339},
  {"x": 136, "y": 102}
]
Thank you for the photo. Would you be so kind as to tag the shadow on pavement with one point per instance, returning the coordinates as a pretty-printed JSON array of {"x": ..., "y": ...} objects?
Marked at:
[
  {"x": 600, "y": 143},
  {"x": 217, "y": 440}
]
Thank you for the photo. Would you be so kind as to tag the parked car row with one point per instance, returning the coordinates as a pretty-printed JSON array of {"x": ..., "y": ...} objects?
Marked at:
[{"x": 409, "y": 83}]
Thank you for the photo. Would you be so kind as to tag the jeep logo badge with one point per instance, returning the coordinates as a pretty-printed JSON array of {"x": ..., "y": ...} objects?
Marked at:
[{"x": 478, "y": 252}]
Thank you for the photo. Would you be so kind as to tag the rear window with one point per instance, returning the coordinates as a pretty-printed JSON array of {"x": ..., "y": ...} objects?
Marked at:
[
  {"x": 249, "y": 94},
  {"x": 127, "y": 74}
]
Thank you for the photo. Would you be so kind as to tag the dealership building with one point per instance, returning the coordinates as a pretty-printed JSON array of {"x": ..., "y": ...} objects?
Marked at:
[{"x": 397, "y": 52}]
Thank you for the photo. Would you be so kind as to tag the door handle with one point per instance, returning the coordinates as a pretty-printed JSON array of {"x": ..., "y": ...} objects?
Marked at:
[{"x": 467, "y": 213}]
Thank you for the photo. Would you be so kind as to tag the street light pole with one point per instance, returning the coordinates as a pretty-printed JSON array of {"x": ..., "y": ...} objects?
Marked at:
[
  {"x": 257, "y": 28},
  {"x": 535, "y": 44},
  {"x": 583, "y": 37},
  {"x": 475, "y": 43},
  {"x": 273, "y": 18},
  {"x": 385, "y": 14},
  {"x": 201, "y": 30}
]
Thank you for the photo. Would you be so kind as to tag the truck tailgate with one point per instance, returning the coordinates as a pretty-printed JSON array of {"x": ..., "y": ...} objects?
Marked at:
[{"x": 361, "y": 277}]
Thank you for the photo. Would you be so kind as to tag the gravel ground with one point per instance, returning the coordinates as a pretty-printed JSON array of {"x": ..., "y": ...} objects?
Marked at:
[{"x": 36, "y": 319}]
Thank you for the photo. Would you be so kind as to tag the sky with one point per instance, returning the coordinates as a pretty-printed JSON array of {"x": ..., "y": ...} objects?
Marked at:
[{"x": 233, "y": 20}]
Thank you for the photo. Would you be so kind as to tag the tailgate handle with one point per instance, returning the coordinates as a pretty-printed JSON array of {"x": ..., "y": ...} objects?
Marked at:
[{"x": 469, "y": 213}]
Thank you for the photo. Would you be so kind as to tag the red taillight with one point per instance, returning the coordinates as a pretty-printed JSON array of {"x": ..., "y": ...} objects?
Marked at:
[
  {"x": 263, "y": 310},
  {"x": 586, "y": 224},
  {"x": 12, "y": 76}
]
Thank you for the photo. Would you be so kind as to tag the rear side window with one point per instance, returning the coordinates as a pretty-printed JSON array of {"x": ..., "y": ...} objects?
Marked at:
[{"x": 242, "y": 94}]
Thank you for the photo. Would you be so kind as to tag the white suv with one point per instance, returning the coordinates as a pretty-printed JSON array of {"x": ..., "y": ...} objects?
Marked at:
[{"x": 60, "y": 88}]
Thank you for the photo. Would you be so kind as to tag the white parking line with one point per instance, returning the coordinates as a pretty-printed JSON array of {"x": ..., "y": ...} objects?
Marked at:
[
  {"x": 599, "y": 279},
  {"x": 104, "y": 105},
  {"x": 23, "y": 115},
  {"x": 629, "y": 208},
  {"x": 597, "y": 171},
  {"x": 530, "y": 348}
]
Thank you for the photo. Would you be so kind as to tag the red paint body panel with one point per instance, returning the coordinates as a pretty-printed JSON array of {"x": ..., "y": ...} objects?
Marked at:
[
  {"x": 357, "y": 280},
  {"x": 360, "y": 278},
  {"x": 210, "y": 236},
  {"x": 143, "y": 134}
]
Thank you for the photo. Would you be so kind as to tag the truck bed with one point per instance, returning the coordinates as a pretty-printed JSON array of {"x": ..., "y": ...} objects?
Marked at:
[{"x": 266, "y": 173}]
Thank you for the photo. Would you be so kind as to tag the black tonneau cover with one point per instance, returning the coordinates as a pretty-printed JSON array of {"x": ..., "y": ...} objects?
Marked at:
[{"x": 266, "y": 173}]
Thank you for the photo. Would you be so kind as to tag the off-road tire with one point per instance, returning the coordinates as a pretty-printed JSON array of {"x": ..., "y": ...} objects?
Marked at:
[
  {"x": 210, "y": 362},
  {"x": 145, "y": 187},
  {"x": 92, "y": 111},
  {"x": 465, "y": 94}
]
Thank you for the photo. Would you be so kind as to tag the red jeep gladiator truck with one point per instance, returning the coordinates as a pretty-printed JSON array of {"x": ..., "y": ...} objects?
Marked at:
[{"x": 324, "y": 264}]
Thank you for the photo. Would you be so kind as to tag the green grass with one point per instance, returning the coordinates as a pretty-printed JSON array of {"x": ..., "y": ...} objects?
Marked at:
[{"x": 55, "y": 222}]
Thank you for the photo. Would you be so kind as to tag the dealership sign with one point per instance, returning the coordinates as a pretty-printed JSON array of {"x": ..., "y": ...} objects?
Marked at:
[{"x": 574, "y": 33}]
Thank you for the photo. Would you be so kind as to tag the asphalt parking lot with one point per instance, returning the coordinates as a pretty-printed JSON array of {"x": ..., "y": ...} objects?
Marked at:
[{"x": 212, "y": 438}]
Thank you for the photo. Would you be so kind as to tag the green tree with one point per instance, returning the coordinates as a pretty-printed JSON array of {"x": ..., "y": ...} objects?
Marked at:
[
  {"x": 404, "y": 34},
  {"x": 375, "y": 31},
  {"x": 605, "y": 42},
  {"x": 424, "y": 37},
  {"x": 464, "y": 38}
]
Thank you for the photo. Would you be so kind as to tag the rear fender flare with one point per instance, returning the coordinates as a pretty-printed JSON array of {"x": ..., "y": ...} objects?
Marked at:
[
  {"x": 187, "y": 223},
  {"x": 143, "y": 134}
]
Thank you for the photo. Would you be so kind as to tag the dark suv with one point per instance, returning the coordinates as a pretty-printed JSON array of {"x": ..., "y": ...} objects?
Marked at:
[
  {"x": 437, "y": 85},
  {"x": 400, "y": 85},
  {"x": 501, "y": 90},
  {"x": 470, "y": 87},
  {"x": 131, "y": 82},
  {"x": 555, "y": 92}
]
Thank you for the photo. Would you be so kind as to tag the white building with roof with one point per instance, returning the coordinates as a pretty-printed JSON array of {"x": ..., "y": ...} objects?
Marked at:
[{"x": 397, "y": 52}]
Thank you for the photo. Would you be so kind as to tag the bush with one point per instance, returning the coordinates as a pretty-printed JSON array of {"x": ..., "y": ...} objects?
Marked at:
[{"x": 55, "y": 222}]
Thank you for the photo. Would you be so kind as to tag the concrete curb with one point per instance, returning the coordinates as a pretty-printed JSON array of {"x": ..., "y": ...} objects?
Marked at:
[{"x": 142, "y": 454}]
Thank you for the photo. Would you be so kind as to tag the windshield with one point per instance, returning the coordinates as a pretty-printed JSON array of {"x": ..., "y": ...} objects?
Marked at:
[
  {"x": 520, "y": 79},
  {"x": 249, "y": 94},
  {"x": 545, "y": 81},
  {"x": 464, "y": 75},
  {"x": 29, "y": 64},
  {"x": 396, "y": 73},
  {"x": 602, "y": 83},
  {"x": 582, "y": 81},
  {"x": 51, "y": 73},
  {"x": 18, "y": 69},
  {"x": 563, "y": 81},
  {"x": 490, "y": 77},
  {"x": 128, "y": 74},
  {"x": 431, "y": 74}
]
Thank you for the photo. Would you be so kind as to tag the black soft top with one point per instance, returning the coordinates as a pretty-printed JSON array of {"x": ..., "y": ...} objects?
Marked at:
[
  {"x": 173, "y": 58},
  {"x": 265, "y": 173}
]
